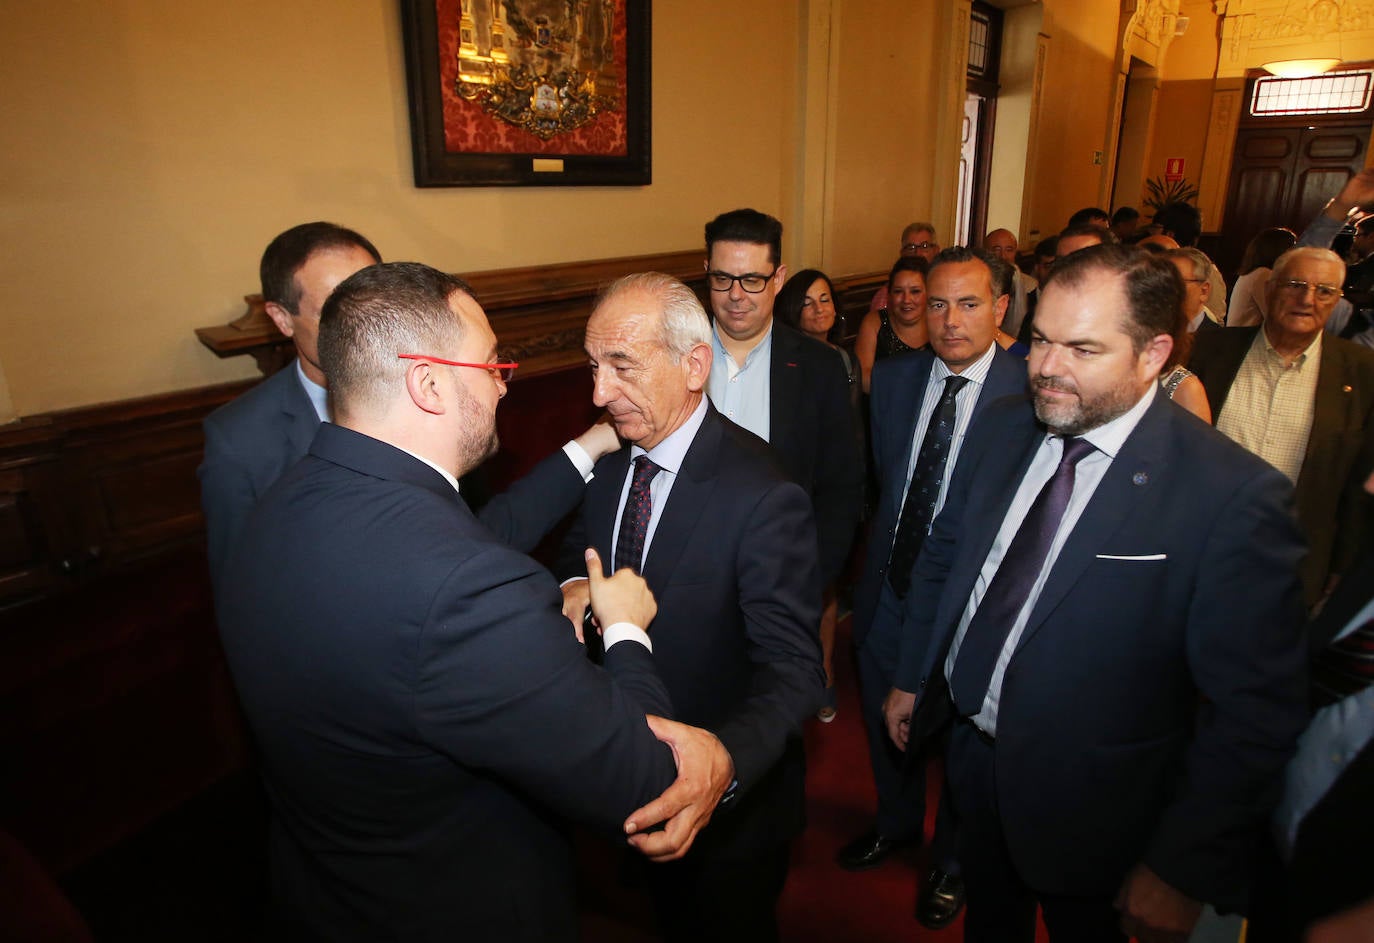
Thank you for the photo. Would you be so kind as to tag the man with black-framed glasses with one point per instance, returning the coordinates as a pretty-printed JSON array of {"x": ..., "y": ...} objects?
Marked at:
[
  {"x": 786, "y": 388},
  {"x": 1304, "y": 402}
]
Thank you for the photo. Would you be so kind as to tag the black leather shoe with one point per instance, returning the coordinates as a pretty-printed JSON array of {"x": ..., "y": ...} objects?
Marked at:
[
  {"x": 868, "y": 851},
  {"x": 940, "y": 900}
]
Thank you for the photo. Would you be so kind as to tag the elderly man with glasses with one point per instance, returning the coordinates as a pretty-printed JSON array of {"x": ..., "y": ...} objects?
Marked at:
[{"x": 1304, "y": 402}]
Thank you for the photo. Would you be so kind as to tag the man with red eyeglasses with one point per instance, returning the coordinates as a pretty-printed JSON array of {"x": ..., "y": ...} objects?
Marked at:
[
  {"x": 424, "y": 717},
  {"x": 251, "y": 441}
]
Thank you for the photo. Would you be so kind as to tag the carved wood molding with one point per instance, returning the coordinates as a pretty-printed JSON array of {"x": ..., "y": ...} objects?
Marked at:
[{"x": 538, "y": 312}]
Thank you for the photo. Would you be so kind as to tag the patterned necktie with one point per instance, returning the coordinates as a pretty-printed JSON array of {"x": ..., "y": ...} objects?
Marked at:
[
  {"x": 634, "y": 520},
  {"x": 924, "y": 490},
  {"x": 1011, "y": 585},
  {"x": 1345, "y": 666}
]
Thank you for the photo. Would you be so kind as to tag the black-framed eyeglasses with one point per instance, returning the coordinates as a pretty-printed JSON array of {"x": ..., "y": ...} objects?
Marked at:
[
  {"x": 917, "y": 246},
  {"x": 503, "y": 370},
  {"x": 752, "y": 283},
  {"x": 1298, "y": 287}
]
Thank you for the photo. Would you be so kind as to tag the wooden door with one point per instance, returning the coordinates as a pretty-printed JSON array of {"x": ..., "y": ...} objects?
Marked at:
[{"x": 1282, "y": 174}]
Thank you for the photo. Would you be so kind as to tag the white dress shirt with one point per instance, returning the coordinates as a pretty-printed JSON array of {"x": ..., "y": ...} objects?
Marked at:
[{"x": 1108, "y": 440}]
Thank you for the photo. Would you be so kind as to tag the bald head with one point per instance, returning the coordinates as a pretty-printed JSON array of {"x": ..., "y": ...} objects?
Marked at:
[{"x": 1002, "y": 244}]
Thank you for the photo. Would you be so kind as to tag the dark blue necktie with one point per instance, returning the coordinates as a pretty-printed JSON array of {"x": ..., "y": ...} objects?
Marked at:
[
  {"x": 634, "y": 520},
  {"x": 1011, "y": 585},
  {"x": 924, "y": 490}
]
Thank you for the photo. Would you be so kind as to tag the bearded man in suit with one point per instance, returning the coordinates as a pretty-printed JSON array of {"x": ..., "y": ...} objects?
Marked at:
[
  {"x": 1115, "y": 618},
  {"x": 422, "y": 713}
]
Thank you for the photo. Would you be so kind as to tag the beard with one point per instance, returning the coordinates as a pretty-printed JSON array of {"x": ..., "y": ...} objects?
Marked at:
[
  {"x": 477, "y": 439},
  {"x": 1078, "y": 414}
]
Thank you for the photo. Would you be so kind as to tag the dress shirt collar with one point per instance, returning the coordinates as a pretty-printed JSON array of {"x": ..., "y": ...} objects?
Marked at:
[
  {"x": 1110, "y": 437},
  {"x": 976, "y": 372},
  {"x": 448, "y": 475},
  {"x": 761, "y": 349},
  {"x": 319, "y": 396},
  {"x": 670, "y": 453},
  {"x": 1313, "y": 351}
]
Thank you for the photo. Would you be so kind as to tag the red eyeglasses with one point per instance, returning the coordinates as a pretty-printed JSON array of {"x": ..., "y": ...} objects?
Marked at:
[{"x": 503, "y": 370}]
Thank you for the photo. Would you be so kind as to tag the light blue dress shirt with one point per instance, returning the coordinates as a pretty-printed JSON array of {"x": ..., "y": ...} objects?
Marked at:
[{"x": 743, "y": 394}]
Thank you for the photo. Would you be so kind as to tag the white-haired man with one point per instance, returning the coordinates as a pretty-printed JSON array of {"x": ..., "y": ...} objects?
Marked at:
[
  {"x": 728, "y": 545},
  {"x": 1304, "y": 402},
  {"x": 422, "y": 715}
]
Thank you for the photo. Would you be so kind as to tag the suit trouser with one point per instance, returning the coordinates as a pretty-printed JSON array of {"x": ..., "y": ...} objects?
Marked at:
[
  {"x": 720, "y": 898},
  {"x": 1001, "y": 907},
  {"x": 901, "y": 785}
]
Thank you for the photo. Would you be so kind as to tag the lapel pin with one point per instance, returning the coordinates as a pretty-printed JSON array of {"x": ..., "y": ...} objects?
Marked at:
[
  {"x": 1347, "y": 389},
  {"x": 790, "y": 364},
  {"x": 1140, "y": 478}
]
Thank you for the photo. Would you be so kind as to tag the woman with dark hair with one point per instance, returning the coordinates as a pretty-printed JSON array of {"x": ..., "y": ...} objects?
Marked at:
[
  {"x": 807, "y": 303},
  {"x": 899, "y": 327},
  {"x": 1180, "y": 384},
  {"x": 1247, "y": 296}
]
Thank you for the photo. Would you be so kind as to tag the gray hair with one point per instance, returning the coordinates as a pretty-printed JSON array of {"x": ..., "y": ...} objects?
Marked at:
[
  {"x": 1202, "y": 266},
  {"x": 684, "y": 323},
  {"x": 1282, "y": 263},
  {"x": 376, "y": 314},
  {"x": 919, "y": 227}
]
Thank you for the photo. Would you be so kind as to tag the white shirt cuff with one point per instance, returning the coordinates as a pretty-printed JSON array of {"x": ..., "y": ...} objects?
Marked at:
[
  {"x": 625, "y": 632},
  {"x": 571, "y": 579},
  {"x": 580, "y": 459}
]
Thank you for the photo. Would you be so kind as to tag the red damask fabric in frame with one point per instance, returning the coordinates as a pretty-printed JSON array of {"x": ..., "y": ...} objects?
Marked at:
[{"x": 467, "y": 26}]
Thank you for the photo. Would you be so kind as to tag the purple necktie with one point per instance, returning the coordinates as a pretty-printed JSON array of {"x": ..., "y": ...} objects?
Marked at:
[
  {"x": 634, "y": 520},
  {"x": 1011, "y": 585}
]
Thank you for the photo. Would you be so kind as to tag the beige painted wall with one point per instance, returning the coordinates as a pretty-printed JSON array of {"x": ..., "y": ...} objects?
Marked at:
[
  {"x": 1185, "y": 97},
  {"x": 1011, "y": 139},
  {"x": 884, "y": 148},
  {"x": 1080, "y": 86},
  {"x": 153, "y": 151}
]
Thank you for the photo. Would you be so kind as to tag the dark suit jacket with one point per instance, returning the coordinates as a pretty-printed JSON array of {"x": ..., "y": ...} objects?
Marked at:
[
  {"x": 422, "y": 709},
  {"x": 1324, "y": 876},
  {"x": 251, "y": 441},
  {"x": 1340, "y": 451},
  {"x": 811, "y": 427},
  {"x": 733, "y": 567},
  {"x": 898, "y": 388},
  {"x": 1150, "y": 704}
]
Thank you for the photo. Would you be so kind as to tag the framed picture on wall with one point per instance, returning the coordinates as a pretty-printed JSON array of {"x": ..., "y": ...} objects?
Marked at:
[{"x": 528, "y": 92}]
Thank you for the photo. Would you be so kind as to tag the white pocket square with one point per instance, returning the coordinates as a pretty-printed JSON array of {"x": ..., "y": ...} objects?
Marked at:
[{"x": 1133, "y": 557}]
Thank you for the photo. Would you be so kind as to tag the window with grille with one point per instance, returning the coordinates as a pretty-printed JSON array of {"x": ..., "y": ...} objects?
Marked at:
[
  {"x": 979, "y": 45},
  {"x": 1331, "y": 94}
]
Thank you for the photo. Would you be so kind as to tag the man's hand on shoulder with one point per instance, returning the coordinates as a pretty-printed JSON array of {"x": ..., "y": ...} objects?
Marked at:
[
  {"x": 897, "y": 708},
  {"x": 704, "y": 773},
  {"x": 1153, "y": 911},
  {"x": 620, "y": 597},
  {"x": 600, "y": 440}
]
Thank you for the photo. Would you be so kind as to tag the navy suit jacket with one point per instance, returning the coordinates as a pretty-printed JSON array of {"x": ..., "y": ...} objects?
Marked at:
[
  {"x": 252, "y": 440},
  {"x": 423, "y": 711},
  {"x": 811, "y": 427},
  {"x": 898, "y": 388},
  {"x": 1160, "y": 684},
  {"x": 1340, "y": 449},
  {"x": 733, "y": 567}
]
